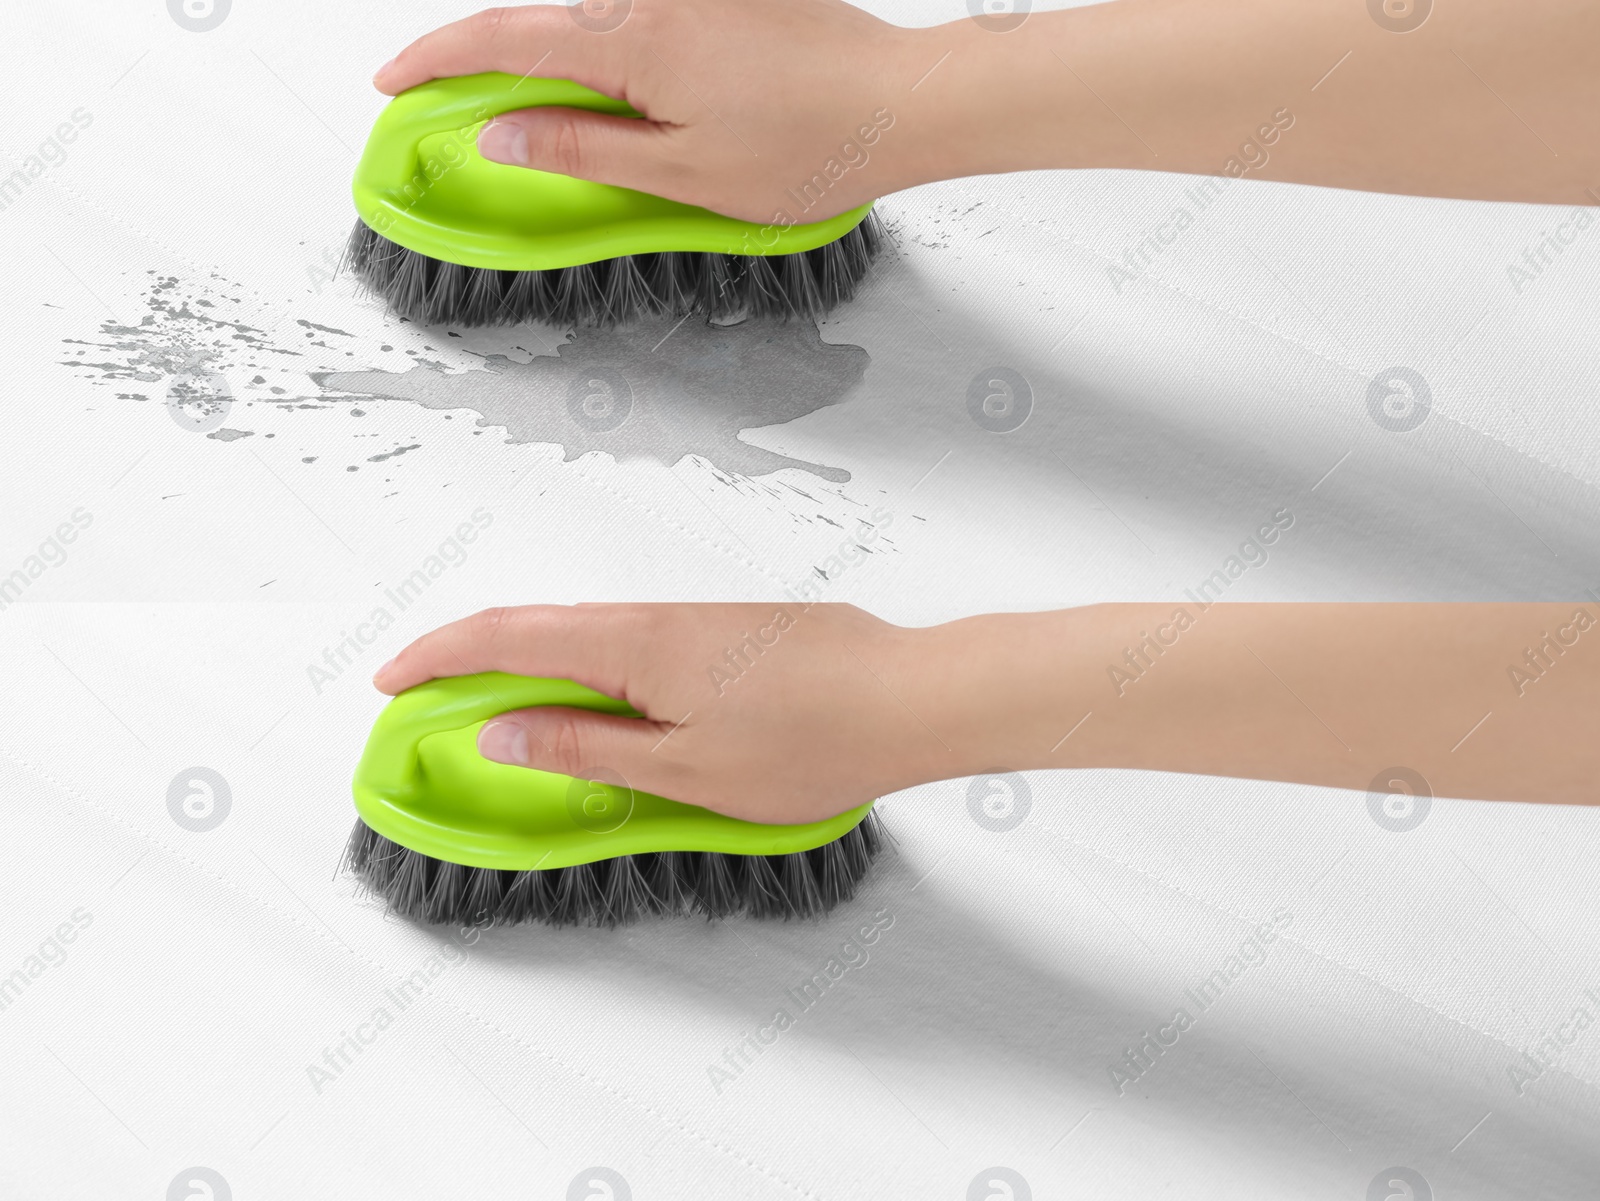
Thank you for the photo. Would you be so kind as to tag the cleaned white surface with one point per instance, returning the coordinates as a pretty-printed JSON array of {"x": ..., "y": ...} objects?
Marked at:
[{"x": 1383, "y": 1026}]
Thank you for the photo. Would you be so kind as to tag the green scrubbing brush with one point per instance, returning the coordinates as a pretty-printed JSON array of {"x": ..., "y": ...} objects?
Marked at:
[
  {"x": 446, "y": 236},
  {"x": 447, "y": 836}
]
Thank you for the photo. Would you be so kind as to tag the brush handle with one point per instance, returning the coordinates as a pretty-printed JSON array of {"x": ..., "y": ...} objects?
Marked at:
[
  {"x": 422, "y": 783},
  {"x": 422, "y": 184},
  {"x": 391, "y": 762},
  {"x": 459, "y": 106}
]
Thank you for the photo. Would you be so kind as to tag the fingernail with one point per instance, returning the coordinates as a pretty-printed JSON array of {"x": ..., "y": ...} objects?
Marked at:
[
  {"x": 504, "y": 142},
  {"x": 383, "y": 669},
  {"x": 504, "y": 742},
  {"x": 383, "y": 68}
]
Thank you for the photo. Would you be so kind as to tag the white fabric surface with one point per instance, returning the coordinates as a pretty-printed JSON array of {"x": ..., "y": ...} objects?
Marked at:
[{"x": 1409, "y": 973}]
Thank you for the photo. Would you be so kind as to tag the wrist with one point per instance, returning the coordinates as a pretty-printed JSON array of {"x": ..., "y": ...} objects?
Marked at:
[
  {"x": 982, "y": 102},
  {"x": 1007, "y": 690},
  {"x": 954, "y": 98}
]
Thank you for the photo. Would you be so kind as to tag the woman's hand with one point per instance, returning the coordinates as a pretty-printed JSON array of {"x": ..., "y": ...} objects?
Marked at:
[
  {"x": 745, "y": 105},
  {"x": 768, "y": 712},
  {"x": 788, "y": 111},
  {"x": 787, "y": 713}
]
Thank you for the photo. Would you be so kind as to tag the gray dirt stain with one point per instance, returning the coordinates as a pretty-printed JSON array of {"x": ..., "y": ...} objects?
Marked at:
[
  {"x": 326, "y": 329},
  {"x": 399, "y": 450},
  {"x": 176, "y": 335},
  {"x": 681, "y": 389},
  {"x": 653, "y": 391}
]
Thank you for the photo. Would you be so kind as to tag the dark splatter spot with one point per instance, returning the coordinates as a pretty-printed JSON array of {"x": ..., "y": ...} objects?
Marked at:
[
  {"x": 326, "y": 329},
  {"x": 399, "y": 450}
]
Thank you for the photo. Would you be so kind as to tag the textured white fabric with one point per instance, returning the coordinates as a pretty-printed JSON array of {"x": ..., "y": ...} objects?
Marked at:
[{"x": 1385, "y": 1023}]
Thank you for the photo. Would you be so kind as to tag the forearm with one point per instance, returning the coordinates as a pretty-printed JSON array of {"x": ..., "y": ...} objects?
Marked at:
[
  {"x": 1484, "y": 100},
  {"x": 1494, "y": 702}
]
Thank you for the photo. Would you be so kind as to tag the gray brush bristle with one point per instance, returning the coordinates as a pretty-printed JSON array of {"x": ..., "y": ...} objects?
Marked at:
[
  {"x": 615, "y": 291},
  {"x": 614, "y": 892}
]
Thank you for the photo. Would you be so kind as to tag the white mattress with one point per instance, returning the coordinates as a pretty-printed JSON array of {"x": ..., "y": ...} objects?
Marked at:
[{"x": 212, "y": 1017}]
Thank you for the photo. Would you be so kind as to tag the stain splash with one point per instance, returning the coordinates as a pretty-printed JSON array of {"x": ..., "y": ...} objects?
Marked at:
[
  {"x": 179, "y": 334},
  {"x": 654, "y": 391}
]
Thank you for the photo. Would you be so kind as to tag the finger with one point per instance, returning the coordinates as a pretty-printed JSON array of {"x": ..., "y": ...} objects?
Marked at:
[
  {"x": 576, "y": 742},
  {"x": 518, "y": 41},
  {"x": 614, "y": 150},
  {"x": 593, "y": 645}
]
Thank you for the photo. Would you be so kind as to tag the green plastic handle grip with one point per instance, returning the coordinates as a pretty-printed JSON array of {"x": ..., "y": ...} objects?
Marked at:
[
  {"x": 421, "y": 183},
  {"x": 391, "y": 763},
  {"x": 422, "y": 784},
  {"x": 460, "y": 106}
]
